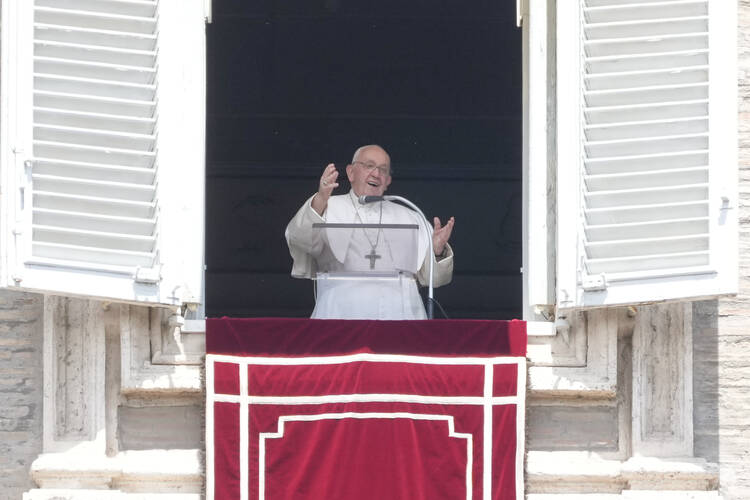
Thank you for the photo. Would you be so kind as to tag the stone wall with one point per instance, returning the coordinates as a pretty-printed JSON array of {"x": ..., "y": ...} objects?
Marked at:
[
  {"x": 733, "y": 346},
  {"x": 722, "y": 330},
  {"x": 20, "y": 389}
]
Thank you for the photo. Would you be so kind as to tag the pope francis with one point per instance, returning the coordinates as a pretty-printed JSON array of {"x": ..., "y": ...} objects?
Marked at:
[{"x": 386, "y": 298}]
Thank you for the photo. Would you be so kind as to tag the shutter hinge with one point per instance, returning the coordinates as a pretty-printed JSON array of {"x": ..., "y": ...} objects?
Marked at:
[
  {"x": 148, "y": 275},
  {"x": 520, "y": 12},
  {"x": 594, "y": 283},
  {"x": 207, "y": 14},
  {"x": 726, "y": 202}
]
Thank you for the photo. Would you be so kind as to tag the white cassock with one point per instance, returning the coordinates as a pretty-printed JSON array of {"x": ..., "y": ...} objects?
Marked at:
[{"x": 387, "y": 299}]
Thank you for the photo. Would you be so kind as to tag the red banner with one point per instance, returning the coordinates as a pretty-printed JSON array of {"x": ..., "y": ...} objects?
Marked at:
[{"x": 326, "y": 410}]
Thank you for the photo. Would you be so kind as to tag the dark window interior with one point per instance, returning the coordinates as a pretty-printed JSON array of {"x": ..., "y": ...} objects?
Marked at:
[{"x": 296, "y": 84}]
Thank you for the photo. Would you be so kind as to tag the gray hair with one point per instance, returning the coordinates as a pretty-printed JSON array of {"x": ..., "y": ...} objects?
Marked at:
[{"x": 366, "y": 146}]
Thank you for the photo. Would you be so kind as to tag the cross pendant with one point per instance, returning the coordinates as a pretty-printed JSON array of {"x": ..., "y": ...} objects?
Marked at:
[{"x": 372, "y": 256}]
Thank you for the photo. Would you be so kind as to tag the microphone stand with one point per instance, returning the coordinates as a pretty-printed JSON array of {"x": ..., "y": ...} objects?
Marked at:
[{"x": 430, "y": 290}]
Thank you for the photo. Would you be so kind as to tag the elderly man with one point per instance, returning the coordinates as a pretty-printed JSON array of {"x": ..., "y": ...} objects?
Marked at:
[{"x": 370, "y": 175}]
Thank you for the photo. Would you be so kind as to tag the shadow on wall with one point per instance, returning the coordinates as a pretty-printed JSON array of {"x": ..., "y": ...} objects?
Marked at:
[{"x": 706, "y": 380}]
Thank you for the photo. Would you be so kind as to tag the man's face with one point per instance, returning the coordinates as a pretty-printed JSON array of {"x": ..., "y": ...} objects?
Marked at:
[{"x": 370, "y": 172}]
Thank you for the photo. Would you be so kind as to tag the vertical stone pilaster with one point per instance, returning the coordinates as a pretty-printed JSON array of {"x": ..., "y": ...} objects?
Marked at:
[
  {"x": 662, "y": 381},
  {"x": 74, "y": 382},
  {"x": 134, "y": 326}
]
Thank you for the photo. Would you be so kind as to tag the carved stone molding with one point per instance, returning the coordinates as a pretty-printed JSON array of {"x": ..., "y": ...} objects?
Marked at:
[
  {"x": 74, "y": 374},
  {"x": 585, "y": 363},
  {"x": 142, "y": 329},
  {"x": 663, "y": 381},
  {"x": 171, "y": 344},
  {"x": 566, "y": 348}
]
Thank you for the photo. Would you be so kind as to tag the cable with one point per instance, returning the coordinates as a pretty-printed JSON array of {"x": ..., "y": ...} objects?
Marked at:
[{"x": 434, "y": 301}]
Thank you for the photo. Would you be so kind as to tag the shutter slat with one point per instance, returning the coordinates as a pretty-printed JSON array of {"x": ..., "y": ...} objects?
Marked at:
[
  {"x": 86, "y": 256},
  {"x": 93, "y": 205},
  {"x": 105, "y": 189},
  {"x": 94, "y": 53},
  {"x": 641, "y": 28},
  {"x": 646, "y": 213},
  {"x": 83, "y": 120},
  {"x": 646, "y": 112},
  {"x": 94, "y": 71},
  {"x": 91, "y": 87},
  {"x": 647, "y": 246},
  {"x": 638, "y": 62},
  {"x": 639, "y": 79},
  {"x": 634, "y": 197},
  {"x": 678, "y": 263},
  {"x": 646, "y": 45},
  {"x": 603, "y": 3},
  {"x": 88, "y": 36},
  {"x": 93, "y": 137},
  {"x": 645, "y": 180},
  {"x": 95, "y": 20},
  {"x": 640, "y": 230},
  {"x": 95, "y": 104},
  {"x": 94, "y": 171},
  {"x": 102, "y": 240},
  {"x": 94, "y": 154},
  {"x": 649, "y": 145},
  {"x": 647, "y": 129},
  {"x": 94, "y": 222},
  {"x": 644, "y": 162},
  {"x": 138, "y": 8},
  {"x": 646, "y": 11},
  {"x": 642, "y": 95}
]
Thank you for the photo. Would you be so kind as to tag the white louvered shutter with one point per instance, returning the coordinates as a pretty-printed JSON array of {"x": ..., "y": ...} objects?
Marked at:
[
  {"x": 647, "y": 169},
  {"x": 109, "y": 185}
]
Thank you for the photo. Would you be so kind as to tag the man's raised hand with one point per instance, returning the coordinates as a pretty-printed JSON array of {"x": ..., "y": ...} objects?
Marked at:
[
  {"x": 326, "y": 185},
  {"x": 441, "y": 234}
]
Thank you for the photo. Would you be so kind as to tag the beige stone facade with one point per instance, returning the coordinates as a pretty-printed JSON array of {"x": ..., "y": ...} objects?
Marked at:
[
  {"x": 102, "y": 400},
  {"x": 20, "y": 390},
  {"x": 727, "y": 339}
]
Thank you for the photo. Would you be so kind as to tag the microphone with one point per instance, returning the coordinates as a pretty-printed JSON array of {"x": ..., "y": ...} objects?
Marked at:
[{"x": 364, "y": 200}]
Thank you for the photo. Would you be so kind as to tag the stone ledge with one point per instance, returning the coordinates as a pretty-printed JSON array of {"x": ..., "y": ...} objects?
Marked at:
[
  {"x": 63, "y": 494},
  {"x": 563, "y": 382},
  {"x": 583, "y": 472},
  {"x": 644, "y": 473},
  {"x": 150, "y": 471},
  {"x": 631, "y": 495},
  {"x": 164, "y": 379},
  {"x": 572, "y": 496}
]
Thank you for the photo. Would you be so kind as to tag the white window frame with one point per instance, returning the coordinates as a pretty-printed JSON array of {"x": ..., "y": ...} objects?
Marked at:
[
  {"x": 181, "y": 175},
  {"x": 538, "y": 181},
  {"x": 553, "y": 275}
]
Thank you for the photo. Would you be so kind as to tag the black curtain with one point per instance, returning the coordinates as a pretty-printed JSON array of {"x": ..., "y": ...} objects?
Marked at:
[{"x": 294, "y": 85}]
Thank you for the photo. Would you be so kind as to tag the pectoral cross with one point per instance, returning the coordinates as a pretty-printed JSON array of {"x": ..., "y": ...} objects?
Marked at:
[{"x": 373, "y": 257}]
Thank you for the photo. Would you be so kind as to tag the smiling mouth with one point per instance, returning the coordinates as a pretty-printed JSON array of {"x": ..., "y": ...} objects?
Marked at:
[{"x": 373, "y": 183}]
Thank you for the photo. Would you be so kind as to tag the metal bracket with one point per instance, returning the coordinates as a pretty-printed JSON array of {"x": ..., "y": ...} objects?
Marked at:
[
  {"x": 149, "y": 276},
  {"x": 596, "y": 283}
]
